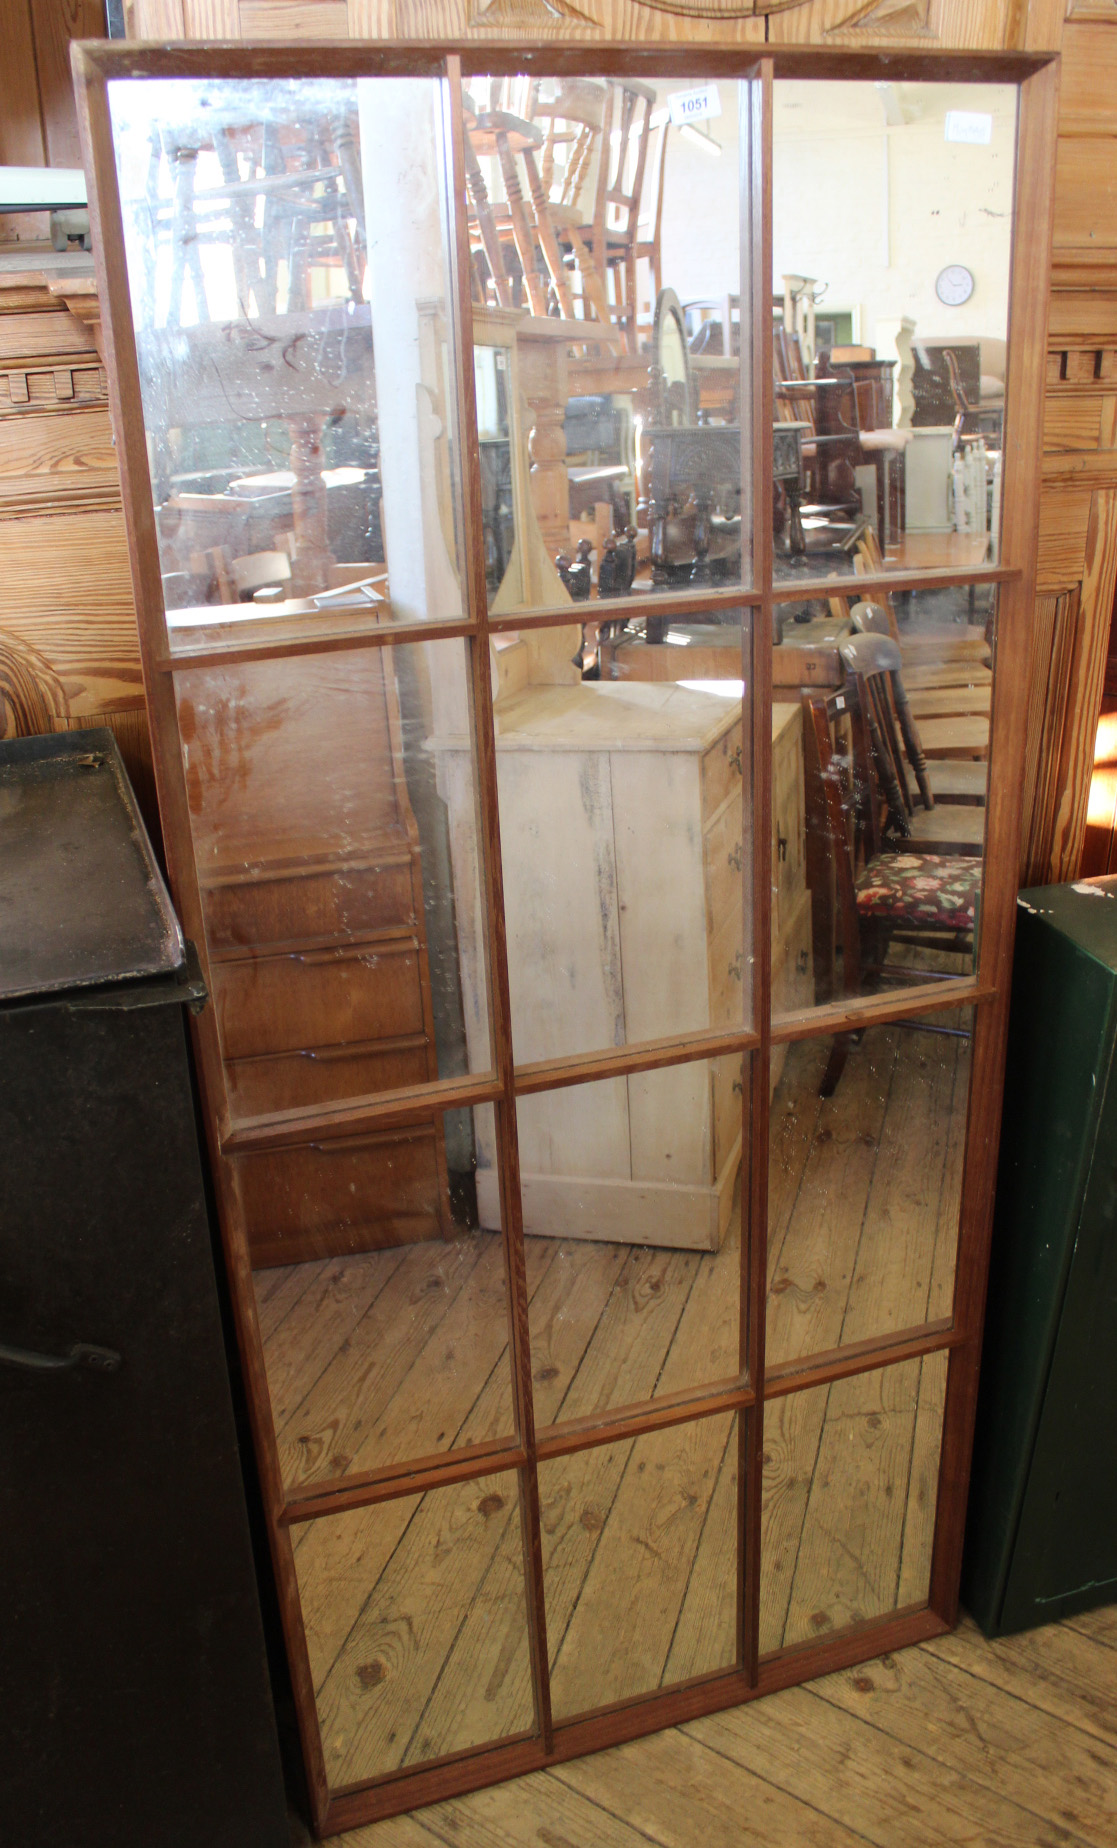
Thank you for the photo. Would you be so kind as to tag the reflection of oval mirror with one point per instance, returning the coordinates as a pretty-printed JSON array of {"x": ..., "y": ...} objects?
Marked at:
[{"x": 673, "y": 359}]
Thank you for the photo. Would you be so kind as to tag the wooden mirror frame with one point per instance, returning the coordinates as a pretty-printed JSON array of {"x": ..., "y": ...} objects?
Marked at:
[{"x": 987, "y": 990}]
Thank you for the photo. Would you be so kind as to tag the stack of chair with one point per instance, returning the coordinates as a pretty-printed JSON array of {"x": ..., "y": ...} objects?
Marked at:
[{"x": 572, "y": 172}]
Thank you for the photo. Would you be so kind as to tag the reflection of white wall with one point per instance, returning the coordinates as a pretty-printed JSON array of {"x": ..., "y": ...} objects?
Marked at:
[
  {"x": 701, "y": 246},
  {"x": 401, "y": 155},
  {"x": 872, "y": 210}
]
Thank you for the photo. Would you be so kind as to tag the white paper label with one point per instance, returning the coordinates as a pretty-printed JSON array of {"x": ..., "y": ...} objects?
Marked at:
[
  {"x": 968, "y": 125},
  {"x": 694, "y": 105}
]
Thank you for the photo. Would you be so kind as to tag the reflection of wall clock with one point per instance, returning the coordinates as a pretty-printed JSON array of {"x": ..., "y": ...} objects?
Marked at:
[{"x": 954, "y": 285}]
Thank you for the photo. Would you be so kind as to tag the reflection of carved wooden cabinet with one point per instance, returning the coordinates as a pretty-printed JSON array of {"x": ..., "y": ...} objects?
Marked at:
[{"x": 312, "y": 889}]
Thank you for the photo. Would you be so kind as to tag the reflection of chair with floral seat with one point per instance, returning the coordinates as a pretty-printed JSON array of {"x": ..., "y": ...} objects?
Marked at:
[{"x": 865, "y": 894}]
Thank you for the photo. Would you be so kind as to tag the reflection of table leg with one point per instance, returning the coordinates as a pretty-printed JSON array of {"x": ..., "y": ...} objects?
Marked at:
[
  {"x": 796, "y": 539},
  {"x": 311, "y": 567},
  {"x": 486, "y": 224},
  {"x": 542, "y": 369}
]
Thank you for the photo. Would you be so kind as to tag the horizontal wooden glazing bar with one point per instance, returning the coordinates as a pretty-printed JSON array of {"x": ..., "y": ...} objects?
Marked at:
[
  {"x": 788, "y": 1376},
  {"x": 341, "y": 1495},
  {"x": 614, "y": 1062},
  {"x": 414, "y": 58},
  {"x": 677, "y": 604},
  {"x": 614, "y": 1426},
  {"x": 913, "y": 1623},
  {"x": 726, "y": 61},
  {"x": 108, "y": 60},
  {"x": 858, "y": 587},
  {"x": 328, "y": 641},
  {"x": 592, "y": 1732},
  {"x": 385, "y": 1110},
  {"x": 879, "y": 1010}
]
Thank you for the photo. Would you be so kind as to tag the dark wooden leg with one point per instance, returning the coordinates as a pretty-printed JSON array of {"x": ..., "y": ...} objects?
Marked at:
[{"x": 835, "y": 1065}]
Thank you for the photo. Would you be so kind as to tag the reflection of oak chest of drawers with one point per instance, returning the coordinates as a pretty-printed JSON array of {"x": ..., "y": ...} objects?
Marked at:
[
  {"x": 624, "y": 862},
  {"x": 309, "y": 858}
]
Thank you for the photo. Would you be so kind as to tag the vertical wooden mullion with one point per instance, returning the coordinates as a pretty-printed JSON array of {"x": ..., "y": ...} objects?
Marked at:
[
  {"x": 170, "y": 783},
  {"x": 756, "y": 456},
  {"x": 508, "y": 1154},
  {"x": 1027, "y": 342}
]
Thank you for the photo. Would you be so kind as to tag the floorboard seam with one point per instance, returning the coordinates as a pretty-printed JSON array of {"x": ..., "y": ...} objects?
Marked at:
[{"x": 969, "y": 1776}]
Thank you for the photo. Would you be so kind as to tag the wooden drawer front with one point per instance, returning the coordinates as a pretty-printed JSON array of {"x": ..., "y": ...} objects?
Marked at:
[
  {"x": 788, "y": 805},
  {"x": 324, "y": 1199},
  {"x": 723, "y": 851},
  {"x": 722, "y": 770},
  {"x": 729, "y": 976},
  {"x": 318, "y": 998},
  {"x": 726, "y": 1084},
  {"x": 324, "y": 1075},
  {"x": 317, "y": 903}
]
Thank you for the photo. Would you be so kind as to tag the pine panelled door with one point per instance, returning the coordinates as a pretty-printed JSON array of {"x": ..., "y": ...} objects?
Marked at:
[{"x": 603, "y": 1078}]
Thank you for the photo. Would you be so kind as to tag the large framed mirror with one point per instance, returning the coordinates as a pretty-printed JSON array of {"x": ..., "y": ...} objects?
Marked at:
[{"x": 584, "y": 587}]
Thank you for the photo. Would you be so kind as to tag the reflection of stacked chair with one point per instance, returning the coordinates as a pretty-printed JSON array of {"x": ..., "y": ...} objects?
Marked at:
[
  {"x": 572, "y": 173},
  {"x": 912, "y": 817},
  {"x": 309, "y": 182}
]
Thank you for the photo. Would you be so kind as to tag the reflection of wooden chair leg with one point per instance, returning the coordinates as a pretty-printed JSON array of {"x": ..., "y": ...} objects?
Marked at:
[
  {"x": 185, "y": 240},
  {"x": 593, "y": 286},
  {"x": 521, "y": 228},
  {"x": 835, "y": 1064},
  {"x": 486, "y": 225},
  {"x": 548, "y": 243}
]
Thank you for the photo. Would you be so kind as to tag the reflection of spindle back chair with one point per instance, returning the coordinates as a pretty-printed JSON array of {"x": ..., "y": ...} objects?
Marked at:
[
  {"x": 971, "y": 420},
  {"x": 603, "y": 131},
  {"x": 873, "y": 664}
]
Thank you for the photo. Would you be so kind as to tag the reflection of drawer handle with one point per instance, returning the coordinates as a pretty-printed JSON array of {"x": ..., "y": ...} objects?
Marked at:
[
  {"x": 736, "y": 969},
  {"x": 738, "y": 1087},
  {"x": 735, "y": 858},
  {"x": 781, "y": 845},
  {"x": 803, "y": 962},
  {"x": 735, "y": 761}
]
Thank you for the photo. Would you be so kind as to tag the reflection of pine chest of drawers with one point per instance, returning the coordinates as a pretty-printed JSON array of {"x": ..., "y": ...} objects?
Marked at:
[{"x": 622, "y": 823}]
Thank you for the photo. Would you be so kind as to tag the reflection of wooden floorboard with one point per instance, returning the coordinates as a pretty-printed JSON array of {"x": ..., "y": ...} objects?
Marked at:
[
  {"x": 810, "y": 1277},
  {"x": 415, "y": 1608}
]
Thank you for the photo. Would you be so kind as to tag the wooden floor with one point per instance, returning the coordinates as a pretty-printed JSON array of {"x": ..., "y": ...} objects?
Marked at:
[
  {"x": 1010, "y": 1744},
  {"x": 414, "y": 1609}
]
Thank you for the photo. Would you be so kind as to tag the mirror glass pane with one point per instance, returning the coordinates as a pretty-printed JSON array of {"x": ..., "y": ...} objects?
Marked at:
[
  {"x": 632, "y": 1213},
  {"x": 280, "y": 236},
  {"x": 880, "y": 769},
  {"x": 890, "y": 321},
  {"x": 607, "y": 276},
  {"x": 337, "y": 856},
  {"x": 639, "y": 1541},
  {"x": 625, "y": 821},
  {"x": 416, "y": 1626},
  {"x": 850, "y": 1491},
  {"x": 865, "y": 1184},
  {"x": 385, "y": 1336}
]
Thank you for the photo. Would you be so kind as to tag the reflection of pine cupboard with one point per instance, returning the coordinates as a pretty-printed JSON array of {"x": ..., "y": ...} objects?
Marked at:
[{"x": 622, "y": 817}]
